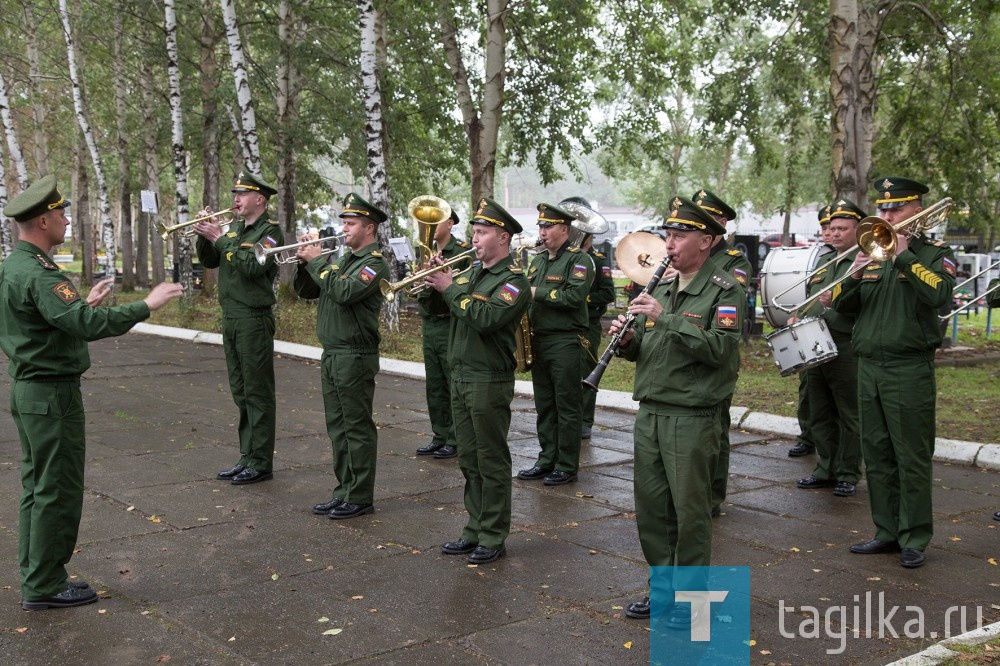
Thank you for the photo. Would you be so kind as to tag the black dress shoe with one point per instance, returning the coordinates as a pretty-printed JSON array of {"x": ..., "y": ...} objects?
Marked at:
[
  {"x": 638, "y": 610},
  {"x": 585, "y": 432},
  {"x": 429, "y": 449},
  {"x": 231, "y": 472},
  {"x": 911, "y": 558},
  {"x": 327, "y": 507},
  {"x": 800, "y": 450},
  {"x": 811, "y": 482},
  {"x": 446, "y": 451},
  {"x": 559, "y": 478},
  {"x": 71, "y": 596},
  {"x": 347, "y": 510},
  {"x": 716, "y": 512},
  {"x": 996, "y": 516},
  {"x": 78, "y": 584},
  {"x": 460, "y": 547},
  {"x": 484, "y": 555},
  {"x": 534, "y": 473},
  {"x": 679, "y": 617},
  {"x": 844, "y": 489},
  {"x": 250, "y": 475},
  {"x": 875, "y": 547}
]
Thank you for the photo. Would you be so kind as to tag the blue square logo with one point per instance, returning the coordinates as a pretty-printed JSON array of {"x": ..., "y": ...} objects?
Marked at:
[{"x": 699, "y": 615}]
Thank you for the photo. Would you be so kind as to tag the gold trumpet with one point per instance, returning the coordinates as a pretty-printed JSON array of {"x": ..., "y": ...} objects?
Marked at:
[
  {"x": 413, "y": 284},
  {"x": 186, "y": 229},
  {"x": 285, "y": 254}
]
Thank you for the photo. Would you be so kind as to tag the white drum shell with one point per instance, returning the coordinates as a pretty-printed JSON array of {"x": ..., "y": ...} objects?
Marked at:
[
  {"x": 804, "y": 344},
  {"x": 783, "y": 267}
]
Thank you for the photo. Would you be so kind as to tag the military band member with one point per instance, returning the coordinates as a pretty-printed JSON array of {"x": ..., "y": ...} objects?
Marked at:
[
  {"x": 347, "y": 327},
  {"x": 246, "y": 294},
  {"x": 602, "y": 294},
  {"x": 486, "y": 308},
  {"x": 436, "y": 326},
  {"x": 685, "y": 345},
  {"x": 44, "y": 328},
  {"x": 560, "y": 277},
  {"x": 895, "y": 335}
]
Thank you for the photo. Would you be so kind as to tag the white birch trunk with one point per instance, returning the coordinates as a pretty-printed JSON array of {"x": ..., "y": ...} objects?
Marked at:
[
  {"x": 107, "y": 227},
  {"x": 6, "y": 238},
  {"x": 124, "y": 164},
  {"x": 247, "y": 117},
  {"x": 38, "y": 109},
  {"x": 183, "y": 244},
  {"x": 152, "y": 164},
  {"x": 13, "y": 145}
]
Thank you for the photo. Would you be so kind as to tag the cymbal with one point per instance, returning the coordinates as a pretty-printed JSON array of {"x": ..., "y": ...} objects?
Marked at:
[{"x": 638, "y": 254}]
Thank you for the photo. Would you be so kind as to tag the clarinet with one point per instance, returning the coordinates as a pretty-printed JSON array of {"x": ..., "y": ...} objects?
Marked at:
[{"x": 594, "y": 378}]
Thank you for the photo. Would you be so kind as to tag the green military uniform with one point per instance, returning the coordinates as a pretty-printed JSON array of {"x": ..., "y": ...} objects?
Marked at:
[
  {"x": 833, "y": 385},
  {"x": 246, "y": 294},
  {"x": 436, "y": 328},
  {"x": 44, "y": 329},
  {"x": 602, "y": 293},
  {"x": 687, "y": 361},
  {"x": 731, "y": 261},
  {"x": 895, "y": 335},
  {"x": 558, "y": 321},
  {"x": 993, "y": 299},
  {"x": 347, "y": 327},
  {"x": 486, "y": 308}
]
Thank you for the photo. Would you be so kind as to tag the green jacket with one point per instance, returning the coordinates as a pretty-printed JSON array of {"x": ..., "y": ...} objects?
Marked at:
[
  {"x": 602, "y": 291},
  {"x": 562, "y": 285},
  {"x": 245, "y": 287},
  {"x": 993, "y": 300},
  {"x": 349, "y": 298},
  {"x": 44, "y": 322},
  {"x": 732, "y": 261},
  {"x": 486, "y": 307},
  {"x": 689, "y": 357},
  {"x": 896, "y": 302},
  {"x": 430, "y": 303},
  {"x": 840, "y": 323}
]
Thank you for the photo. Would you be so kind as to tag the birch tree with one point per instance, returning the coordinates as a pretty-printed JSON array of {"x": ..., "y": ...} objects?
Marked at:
[
  {"x": 248, "y": 120},
  {"x": 122, "y": 142},
  {"x": 13, "y": 145},
  {"x": 150, "y": 166},
  {"x": 76, "y": 80},
  {"x": 38, "y": 108},
  {"x": 290, "y": 36},
  {"x": 6, "y": 238},
  {"x": 182, "y": 242},
  {"x": 209, "y": 73}
]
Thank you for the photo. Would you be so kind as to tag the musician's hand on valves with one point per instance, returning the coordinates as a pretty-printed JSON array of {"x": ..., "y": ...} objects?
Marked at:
[
  {"x": 307, "y": 253},
  {"x": 616, "y": 326},
  {"x": 439, "y": 280},
  {"x": 644, "y": 304}
]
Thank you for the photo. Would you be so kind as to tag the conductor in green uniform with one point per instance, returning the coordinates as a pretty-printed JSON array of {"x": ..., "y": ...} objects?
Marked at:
[
  {"x": 685, "y": 346},
  {"x": 246, "y": 294},
  {"x": 436, "y": 326},
  {"x": 44, "y": 328},
  {"x": 347, "y": 327},
  {"x": 732, "y": 261},
  {"x": 486, "y": 308},
  {"x": 560, "y": 276},
  {"x": 897, "y": 329}
]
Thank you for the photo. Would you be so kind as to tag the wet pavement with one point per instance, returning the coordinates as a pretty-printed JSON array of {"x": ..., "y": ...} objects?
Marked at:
[{"x": 192, "y": 570}]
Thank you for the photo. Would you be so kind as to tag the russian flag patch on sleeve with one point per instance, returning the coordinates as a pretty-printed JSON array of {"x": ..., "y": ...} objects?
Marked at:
[
  {"x": 367, "y": 274},
  {"x": 509, "y": 292},
  {"x": 949, "y": 266},
  {"x": 725, "y": 316},
  {"x": 269, "y": 242}
]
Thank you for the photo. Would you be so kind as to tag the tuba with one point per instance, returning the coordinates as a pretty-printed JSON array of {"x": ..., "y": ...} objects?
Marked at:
[
  {"x": 427, "y": 211},
  {"x": 588, "y": 221}
]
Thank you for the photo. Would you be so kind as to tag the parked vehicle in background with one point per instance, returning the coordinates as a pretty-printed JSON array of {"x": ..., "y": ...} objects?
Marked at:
[{"x": 774, "y": 240}]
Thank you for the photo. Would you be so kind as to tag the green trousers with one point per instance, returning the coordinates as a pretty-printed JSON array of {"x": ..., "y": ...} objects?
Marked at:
[
  {"x": 249, "y": 346},
  {"x": 348, "y": 382},
  {"x": 482, "y": 419},
  {"x": 833, "y": 405},
  {"x": 675, "y": 459},
  {"x": 50, "y": 422},
  {"x": 804, "y": 414},
  {"x": 438, "y": 384},
  {"x": 589, "y": 358},
  {"x": 555, "y": 377},
  {"x": 897, "y": 402},
  {"x": 720, "y": 479}
]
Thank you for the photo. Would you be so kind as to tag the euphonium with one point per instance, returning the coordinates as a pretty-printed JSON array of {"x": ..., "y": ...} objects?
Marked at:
[{"x": 427, "y": 211}]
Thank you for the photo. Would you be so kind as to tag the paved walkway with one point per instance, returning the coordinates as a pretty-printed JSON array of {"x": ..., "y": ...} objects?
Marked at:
[{"x": 202, "y": 572}]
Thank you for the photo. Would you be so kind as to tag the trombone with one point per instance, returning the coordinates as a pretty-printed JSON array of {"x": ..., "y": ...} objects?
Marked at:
[
  {"x": 413, "y": 284},
  {"x": 186, "y": 229},
  {"x": 877, "y": 239},
  {"x": 285, "y": 254},
  {"x": 972, "y": 301}
]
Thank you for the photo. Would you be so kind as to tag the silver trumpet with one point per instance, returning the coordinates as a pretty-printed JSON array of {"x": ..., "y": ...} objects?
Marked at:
[{"x": 285, "y": 254}]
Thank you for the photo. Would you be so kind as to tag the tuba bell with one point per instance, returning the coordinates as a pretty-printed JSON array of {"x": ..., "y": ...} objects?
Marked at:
[
  {"x": 427, "y": 211},
  {"x": 588, "y": 221}
]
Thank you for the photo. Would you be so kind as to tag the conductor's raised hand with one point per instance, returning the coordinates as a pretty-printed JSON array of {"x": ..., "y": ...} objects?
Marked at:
[{"x": 163, "y": 293}]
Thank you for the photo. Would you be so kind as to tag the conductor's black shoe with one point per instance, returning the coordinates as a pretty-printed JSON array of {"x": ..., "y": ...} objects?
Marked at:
[
  {"x": 811, "y": 482},
  {"x": 559, "y": 478},
  {"x": 534, "y": 473},
  {"x": 71, "y": 596},
  {"x": 250, "y": 475},
  {"x": 844, "y": 489},
  {"x": 429, "y": 449},
  {"x": 996, "y": 516},
  {"x": 346, "y": 510},
  {"x": 460, "y": 547},
  {"x": 638, "y": 610},
  {"x": 484, "y": 555},
  {"x": 875, "y": 547},
  {"x": 585, "y": 432},
  {"x": 227, "y": 474},
  {"x": 78, "y": 584},
  {"x": 327, "y": 507},
  {"x": 800, "y": 450},
  {"x": 911, "y": 558},
  {"x": 446, "y": 451},
  {"x": 679, "y": 617}
]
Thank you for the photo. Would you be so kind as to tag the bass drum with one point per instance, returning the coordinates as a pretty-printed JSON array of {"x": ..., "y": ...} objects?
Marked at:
[
  {"x": 805, "y": 344},
  {"x": 783, "y": 267}
]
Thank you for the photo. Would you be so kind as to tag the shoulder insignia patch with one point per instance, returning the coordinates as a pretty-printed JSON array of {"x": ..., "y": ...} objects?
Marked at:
[
  {"x": 579, "y": 272},
  {"x": 936, "y": 242},
  {"x": 66, "y": 293},
  {"x": 734, "y": 252},
  {"x": 231, "y": 234},
  {"x": 334, "y": 267},
  {"x": 948, "y": 266},
  {"x": 574, "y": 249},
  {"x": 229, "y": 256},
  {"x": 598, "y": 255},
  {"x": 509, "y": 292},
  {"x": 376, "y": 253},
  {"x": 725, "y": 316},
  {"x": 740, "y": 275},
  {"x": 367, "y": 274},
  {"x": 462, "y": 244},
  {"x": 723, "y": 281},
  {"x": 554, "y": 295},
  {"x": 246, "y": 245},
  {"x": 516, "y": 270},
  {"x": 465, "y": 303},
  {"x": 322, "y": 275},
  {"x": 462, "y": 280},
  {"x": 46, "y": 264}
]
